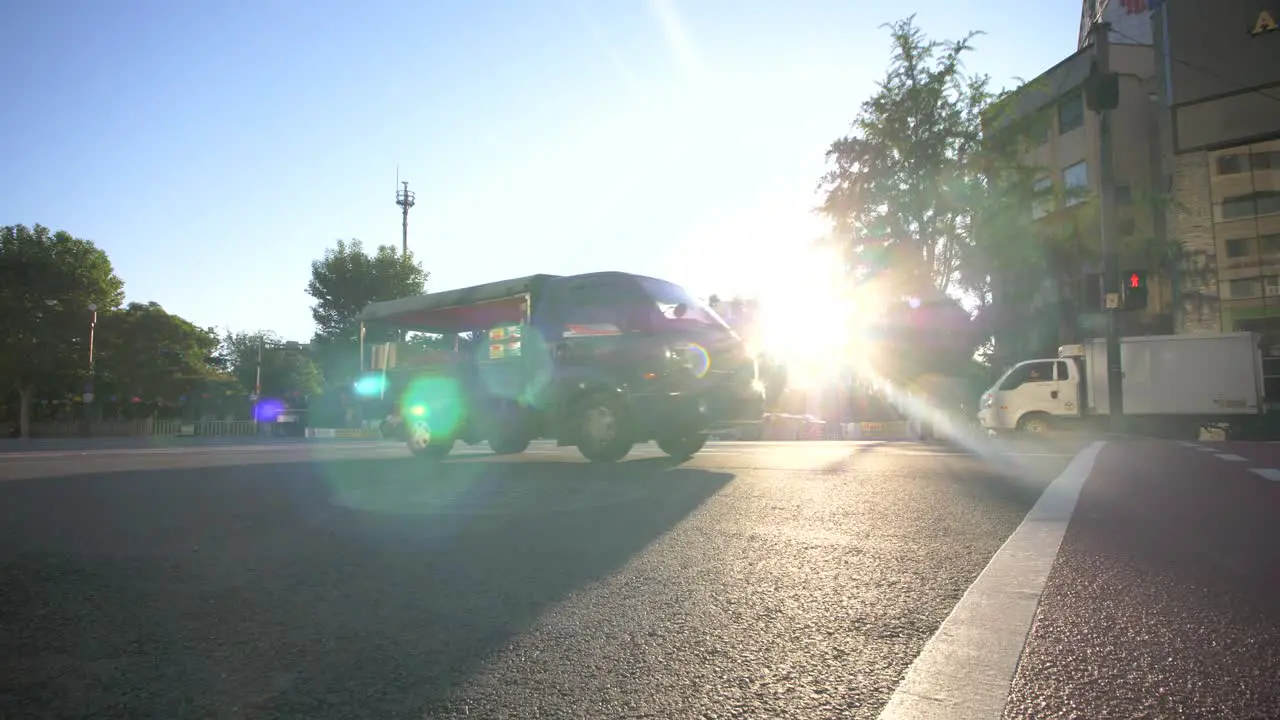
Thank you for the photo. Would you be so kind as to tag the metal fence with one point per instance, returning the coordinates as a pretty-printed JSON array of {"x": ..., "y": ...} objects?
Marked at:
[{"x": 146, "y": 428}]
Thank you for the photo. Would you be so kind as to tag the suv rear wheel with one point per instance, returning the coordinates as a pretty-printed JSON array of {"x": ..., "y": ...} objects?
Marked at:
[{"x": 682, "y": 447}]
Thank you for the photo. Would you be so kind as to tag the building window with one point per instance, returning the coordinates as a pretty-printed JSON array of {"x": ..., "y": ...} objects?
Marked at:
[
  {"x": 1075, "y": 182},
  {"x": 1070, "y": 113},
  {"x": 1265, "y": 160},
  {"x": 1037, "y": 128},
  {"x": 1268, "y": 202},
  {"x": 1233, "y": 164},
  {"x": 1239, "y": 248},
  {"x": 1245, "y": 288},
  {"x": 1124, "y": 195},
  {"x": 1271, "y": 285},
  {"x": 1042, "y": 198},
  {"x": 1270, "y": 244},
  {"x": 1263, "y": 202}
]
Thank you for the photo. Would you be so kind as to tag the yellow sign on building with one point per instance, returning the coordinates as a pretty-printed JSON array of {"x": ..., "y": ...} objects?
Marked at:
[{"x": 1265, "y": 23}]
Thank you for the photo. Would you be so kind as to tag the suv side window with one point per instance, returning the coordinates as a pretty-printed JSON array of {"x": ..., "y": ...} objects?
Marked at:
[
  {"x": 1029, "y": 373},
  {"x": 597, "y": 303}
]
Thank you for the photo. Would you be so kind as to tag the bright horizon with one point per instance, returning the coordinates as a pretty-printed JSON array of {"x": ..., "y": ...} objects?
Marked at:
[{"x": 214, "y": 152}]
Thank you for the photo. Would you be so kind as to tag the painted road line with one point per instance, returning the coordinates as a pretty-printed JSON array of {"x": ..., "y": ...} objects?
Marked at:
[
  {"x": 1269, "y": 473},
  {"x": 212, "y": 449},
  {"x": 1205, "y": 449},
  {"x": 1230, "y": 457},
  {"x": 967, "y": 667}
]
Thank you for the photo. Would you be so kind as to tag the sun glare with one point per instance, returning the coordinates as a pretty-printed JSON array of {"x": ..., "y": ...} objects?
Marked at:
[{"x": 813, "y": 320}]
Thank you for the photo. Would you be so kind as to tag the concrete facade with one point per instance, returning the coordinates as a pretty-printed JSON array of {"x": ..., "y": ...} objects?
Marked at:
[
  {"x": 1196, "y": 154},
  {"x": 1065, "y": 149},
  {"x": 1218, "y": 88}
]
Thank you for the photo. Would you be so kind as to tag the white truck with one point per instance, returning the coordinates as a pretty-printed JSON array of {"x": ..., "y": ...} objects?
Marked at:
[{"x": 1173, "y": 384}]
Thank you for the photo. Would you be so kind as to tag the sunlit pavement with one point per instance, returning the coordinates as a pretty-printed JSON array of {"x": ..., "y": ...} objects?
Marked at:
[
  {"x": 1164, "y": 600},
  {"x": 339, "y": 581}
]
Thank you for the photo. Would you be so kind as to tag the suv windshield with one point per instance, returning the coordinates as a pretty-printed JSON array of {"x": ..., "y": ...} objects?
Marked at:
[{"x": 668, "y": 296}]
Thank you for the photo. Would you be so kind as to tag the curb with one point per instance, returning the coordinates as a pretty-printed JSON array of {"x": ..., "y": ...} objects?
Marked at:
[{"x": 965, "y": 671}]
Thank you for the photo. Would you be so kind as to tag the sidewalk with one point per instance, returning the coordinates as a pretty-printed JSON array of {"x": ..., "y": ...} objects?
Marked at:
[
  {"x": 1164, "y": 600},
  {"x": 1144, "y": 583}
]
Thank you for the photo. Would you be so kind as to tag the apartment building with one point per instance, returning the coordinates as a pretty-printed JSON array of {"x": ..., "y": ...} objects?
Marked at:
[
  {"x": 1061, "y": 140},
  {"x": 1196, "y": 153},
  {"x": 1218, "y": 84}
]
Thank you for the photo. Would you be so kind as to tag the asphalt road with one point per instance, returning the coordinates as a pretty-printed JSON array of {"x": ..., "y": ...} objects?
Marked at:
[{"x": 793, "y": 580}]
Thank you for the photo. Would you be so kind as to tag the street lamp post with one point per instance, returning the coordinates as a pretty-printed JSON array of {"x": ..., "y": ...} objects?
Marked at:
[{"x": 88, "y": 391}]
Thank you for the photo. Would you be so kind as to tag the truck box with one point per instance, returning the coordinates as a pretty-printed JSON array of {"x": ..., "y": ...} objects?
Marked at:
[{"x": 1201, "y": 375}]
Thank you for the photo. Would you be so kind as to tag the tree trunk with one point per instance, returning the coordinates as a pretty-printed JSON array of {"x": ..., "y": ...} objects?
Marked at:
[{"x": 24, "y": 412}]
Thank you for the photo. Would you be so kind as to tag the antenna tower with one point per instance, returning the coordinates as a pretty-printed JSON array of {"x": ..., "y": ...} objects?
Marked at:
[{"x": 404, "y": 198}]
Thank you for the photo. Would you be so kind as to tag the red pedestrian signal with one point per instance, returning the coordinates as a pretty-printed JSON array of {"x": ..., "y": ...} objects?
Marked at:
[{"x": 1135, "y": 290}]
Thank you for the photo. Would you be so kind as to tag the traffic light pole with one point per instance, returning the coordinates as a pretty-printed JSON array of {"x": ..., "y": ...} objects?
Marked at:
[{"x": 1106, "y": 213}]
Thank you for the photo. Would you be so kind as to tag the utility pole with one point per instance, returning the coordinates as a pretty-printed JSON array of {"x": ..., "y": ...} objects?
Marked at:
[
  {"x": 404, "y": 198},
  {"x": 88, "y": 389},
  {"x": 257, "y": 392},
  {"x": 1104, "y": 96},
  {"x": 257, "y": 383}
]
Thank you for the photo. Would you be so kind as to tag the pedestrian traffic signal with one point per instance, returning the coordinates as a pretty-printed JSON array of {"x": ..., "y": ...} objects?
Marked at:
[{"x": 1135, "y": 290}]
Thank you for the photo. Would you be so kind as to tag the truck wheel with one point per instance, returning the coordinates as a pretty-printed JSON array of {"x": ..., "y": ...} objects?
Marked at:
[
  {"x": 1035, "y": 425},
  {"x": 511, "y": 443},
  {"x": 604, "y": 432},
  {"x": 682, "y": 447}
]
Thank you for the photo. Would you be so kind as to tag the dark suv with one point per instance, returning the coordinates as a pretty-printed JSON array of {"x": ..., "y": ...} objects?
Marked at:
[{"x": 600, "y": 361}]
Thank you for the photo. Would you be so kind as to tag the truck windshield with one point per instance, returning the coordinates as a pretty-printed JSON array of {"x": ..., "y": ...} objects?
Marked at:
[{"x": 667, "y": 297}]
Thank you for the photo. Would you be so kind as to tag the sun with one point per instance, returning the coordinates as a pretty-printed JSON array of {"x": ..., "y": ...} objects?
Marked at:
[{"x": 814, "y": 320}]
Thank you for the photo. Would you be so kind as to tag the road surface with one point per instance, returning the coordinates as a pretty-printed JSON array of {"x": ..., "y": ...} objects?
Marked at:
[
  {"x": 760, "y": 580},
  {"x": 1165, "y": 598}
]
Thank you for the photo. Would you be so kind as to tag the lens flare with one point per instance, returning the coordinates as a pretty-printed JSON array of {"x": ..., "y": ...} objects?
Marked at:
[
  {"x": 436, "y": 401},
  {"x": 370, "y": 385}
]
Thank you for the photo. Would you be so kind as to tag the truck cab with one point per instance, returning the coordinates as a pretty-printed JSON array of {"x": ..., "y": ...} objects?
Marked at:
[{"x": 1032, "y": 394}]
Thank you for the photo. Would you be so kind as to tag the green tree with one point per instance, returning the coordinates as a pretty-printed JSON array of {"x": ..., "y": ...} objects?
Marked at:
[
  {"x": 144, "y": 351},
  {"x": 287, "y": 370},
  {"x": 48, "y": 280},
  {"x": 902, "y": 185},
  {"x": 343, "y": 283}
]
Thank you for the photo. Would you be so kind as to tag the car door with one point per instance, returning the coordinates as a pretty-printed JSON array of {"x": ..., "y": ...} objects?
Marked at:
[{"x": 1065, "y": 390}]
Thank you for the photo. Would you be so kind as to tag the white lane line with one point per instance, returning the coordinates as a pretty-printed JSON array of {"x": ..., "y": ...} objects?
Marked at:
[
  {"x": 1269, "y": 473},
  {"x": 967, "y": 667},
  {"x": 191, "y": 449},
  {"x": 1230, "y": 457},
  {"x": 1205, "y": 449}
]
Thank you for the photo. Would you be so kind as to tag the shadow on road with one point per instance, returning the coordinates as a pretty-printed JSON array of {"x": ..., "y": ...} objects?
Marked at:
[{"x": 341, "y": 589}]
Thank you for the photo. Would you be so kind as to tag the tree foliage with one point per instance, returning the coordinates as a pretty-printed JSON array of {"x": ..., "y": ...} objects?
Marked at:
[
  {"x": 288, "y": 371},
  {"x": 348, "y": 278},
  {"x": 343, "y": 283},
  {"x": 47, "y": 282},
  {"x": 903, "y": 183},
  {"x": 143, "y": 351}
]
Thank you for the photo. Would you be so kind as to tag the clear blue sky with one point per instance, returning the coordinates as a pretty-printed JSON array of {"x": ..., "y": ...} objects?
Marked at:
[{"x": 214, "y": 149}]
